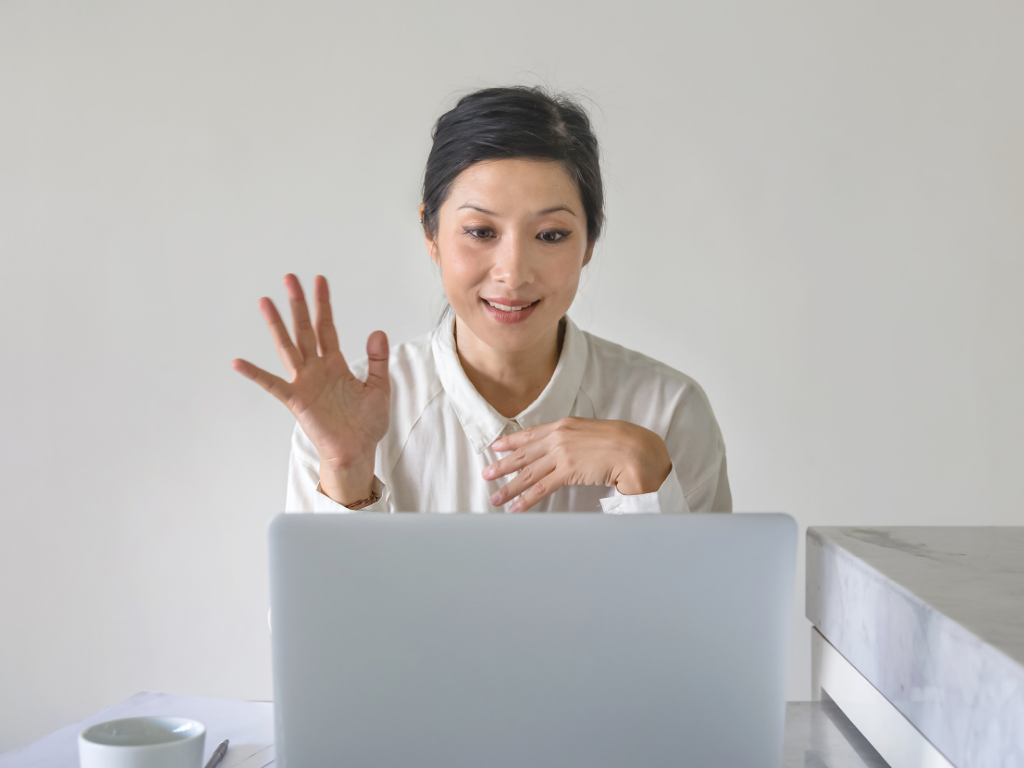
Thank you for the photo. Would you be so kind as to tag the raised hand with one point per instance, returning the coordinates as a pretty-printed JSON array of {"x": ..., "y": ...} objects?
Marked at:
[{"x": 342, "y": 416}]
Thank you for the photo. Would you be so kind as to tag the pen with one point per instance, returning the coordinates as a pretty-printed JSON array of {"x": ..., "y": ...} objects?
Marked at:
[{"x": 218, "y": 754}]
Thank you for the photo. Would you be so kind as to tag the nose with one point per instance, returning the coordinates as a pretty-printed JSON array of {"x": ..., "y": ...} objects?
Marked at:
[{"x": 513, "y": 262}]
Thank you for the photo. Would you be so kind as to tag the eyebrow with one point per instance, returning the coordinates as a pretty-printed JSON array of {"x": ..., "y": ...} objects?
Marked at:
[{"x": 545, "y": 212}]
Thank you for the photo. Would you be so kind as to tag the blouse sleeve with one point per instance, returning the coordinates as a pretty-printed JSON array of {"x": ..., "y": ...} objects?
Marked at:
[
  {"x": 698, "y": 480},
  {"x": 668, "y": 498}
]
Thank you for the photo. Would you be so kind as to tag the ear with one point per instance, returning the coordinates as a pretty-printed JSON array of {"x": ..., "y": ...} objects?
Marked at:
[
  {"x": 430, "y": 242},
  {"x": 589, "y": 252}
]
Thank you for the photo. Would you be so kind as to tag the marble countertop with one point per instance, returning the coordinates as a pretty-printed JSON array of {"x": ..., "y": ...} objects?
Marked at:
[{"x": 933, "y": 617}]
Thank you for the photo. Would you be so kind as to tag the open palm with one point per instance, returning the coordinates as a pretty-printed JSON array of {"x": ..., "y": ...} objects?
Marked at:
[{"x": 342, "y": 416}]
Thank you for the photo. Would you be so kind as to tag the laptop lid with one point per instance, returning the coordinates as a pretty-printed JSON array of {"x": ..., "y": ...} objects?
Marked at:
[{"x": 494, "y": 641}]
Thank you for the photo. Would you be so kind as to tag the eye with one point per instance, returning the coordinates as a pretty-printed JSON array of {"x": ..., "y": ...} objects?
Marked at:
[
  {"x": 479, "y": 233},
  {"x": 553, "y": 235}
]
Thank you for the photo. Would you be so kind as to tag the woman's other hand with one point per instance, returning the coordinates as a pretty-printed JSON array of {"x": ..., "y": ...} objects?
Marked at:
[
  {"x": 342, "y": 416},
  {"x": 576, "y": 451}
]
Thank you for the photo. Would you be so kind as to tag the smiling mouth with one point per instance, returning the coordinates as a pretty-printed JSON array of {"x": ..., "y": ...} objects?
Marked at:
[{"x": 508, "y": 308}]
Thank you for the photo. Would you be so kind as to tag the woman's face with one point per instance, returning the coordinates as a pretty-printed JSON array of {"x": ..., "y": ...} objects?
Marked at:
[{"x": 511, "y": 243}]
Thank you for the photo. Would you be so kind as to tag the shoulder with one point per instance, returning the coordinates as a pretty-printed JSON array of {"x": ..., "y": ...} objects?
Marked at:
[
  {"x": 414, "y": 384},
  {"x": 615, "y": 372},
  {"x": 413, "y": 374},
  {"x": 625, "y": 384}
]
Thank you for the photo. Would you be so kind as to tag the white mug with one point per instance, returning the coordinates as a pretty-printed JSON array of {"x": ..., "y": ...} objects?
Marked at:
[{"x": 143, "y": 742}]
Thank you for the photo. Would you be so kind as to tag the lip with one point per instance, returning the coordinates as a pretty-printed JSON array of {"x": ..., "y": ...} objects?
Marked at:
[{"x": 508, "y": 318}]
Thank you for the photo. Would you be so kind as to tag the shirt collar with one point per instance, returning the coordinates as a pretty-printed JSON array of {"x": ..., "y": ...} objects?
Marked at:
[{"x": 482, "y": 424}]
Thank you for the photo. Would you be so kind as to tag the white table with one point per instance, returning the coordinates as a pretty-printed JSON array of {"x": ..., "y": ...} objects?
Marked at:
[
  {"x": 249, "y": 725},
  {"x": 817, "y": 734}
]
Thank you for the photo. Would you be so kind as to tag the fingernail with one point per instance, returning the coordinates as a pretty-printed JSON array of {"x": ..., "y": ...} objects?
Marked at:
[
  {"x": 496, "y": 445},
  {"x": 514, "y": 507},
  {"x": 488, "y": 473},
  {"x": 495, "y": 498}
]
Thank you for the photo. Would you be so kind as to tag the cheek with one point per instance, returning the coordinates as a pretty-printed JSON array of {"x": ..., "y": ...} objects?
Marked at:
[
  {"x": 563, "y": 274},
  {"x": 461, "y": 267}
]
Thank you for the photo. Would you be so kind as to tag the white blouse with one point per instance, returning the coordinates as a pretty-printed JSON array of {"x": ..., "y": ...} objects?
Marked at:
[{"x": 438, "y": 443}]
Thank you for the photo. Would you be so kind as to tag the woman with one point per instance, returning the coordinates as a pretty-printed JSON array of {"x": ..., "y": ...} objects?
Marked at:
[{"x": 507, "y": 404}]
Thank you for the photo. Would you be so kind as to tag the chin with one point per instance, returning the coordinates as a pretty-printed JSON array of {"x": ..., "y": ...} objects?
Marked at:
[{"x": 514, "y": 337}]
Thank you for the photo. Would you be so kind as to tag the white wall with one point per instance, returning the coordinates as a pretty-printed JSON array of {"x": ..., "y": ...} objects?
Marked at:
[{"x": 814, "y": 208}]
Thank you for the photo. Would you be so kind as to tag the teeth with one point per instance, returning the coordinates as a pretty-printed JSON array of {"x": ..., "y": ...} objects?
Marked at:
[{"x": 505, "y": 308}]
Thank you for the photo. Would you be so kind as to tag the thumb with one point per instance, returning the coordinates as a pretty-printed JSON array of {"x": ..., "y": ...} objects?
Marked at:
[{"x": 377, "y": 351}]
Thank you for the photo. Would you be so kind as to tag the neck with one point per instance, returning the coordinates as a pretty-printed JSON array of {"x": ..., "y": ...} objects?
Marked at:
[{"x": 508, "y": 380}]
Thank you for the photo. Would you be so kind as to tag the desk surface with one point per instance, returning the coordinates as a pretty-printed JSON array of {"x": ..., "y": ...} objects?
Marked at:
[{"x": 817, "y": 734}]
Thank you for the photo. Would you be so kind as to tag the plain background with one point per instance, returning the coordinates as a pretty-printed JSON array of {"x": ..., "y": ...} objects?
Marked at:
[{"x": 814, "y": 208}]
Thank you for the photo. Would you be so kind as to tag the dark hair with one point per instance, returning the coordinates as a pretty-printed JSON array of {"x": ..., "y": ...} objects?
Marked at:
[{"x": 514, "y": 122}]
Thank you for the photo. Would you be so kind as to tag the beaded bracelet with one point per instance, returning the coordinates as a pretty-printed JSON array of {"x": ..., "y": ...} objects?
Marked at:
[{"x": 374, "y": 496}]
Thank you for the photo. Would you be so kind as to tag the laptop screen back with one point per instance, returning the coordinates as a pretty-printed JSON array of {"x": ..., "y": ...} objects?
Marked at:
[{"x": 501, "y": 641}]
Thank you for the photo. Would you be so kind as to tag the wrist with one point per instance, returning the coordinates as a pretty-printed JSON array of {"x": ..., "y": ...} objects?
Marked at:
[
  {"x": 347, "y": 484},
  {"x": 647, "y": 463}
]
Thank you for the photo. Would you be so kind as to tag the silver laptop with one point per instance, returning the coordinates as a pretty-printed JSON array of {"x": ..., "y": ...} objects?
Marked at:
[{"x": 530, "y": 641}]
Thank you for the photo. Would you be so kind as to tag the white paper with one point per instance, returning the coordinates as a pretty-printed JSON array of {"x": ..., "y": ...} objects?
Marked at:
[{"x": 260, "y": 759}]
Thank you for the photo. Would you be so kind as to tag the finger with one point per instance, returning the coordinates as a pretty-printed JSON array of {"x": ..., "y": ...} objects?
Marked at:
[
  {"x": 531, "y": 474},
  {"x": 290, "y": 356},
  {"x": 304, "y": 336},
  {"x": 519, "y": 458},
  {"x": 275, "y": 385},
  {"x": 323, "y": 320},
  {"x": 543, "y": 487},
  {"x": 516, "y": 439},
  {"x": 377, "y": 352}
]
